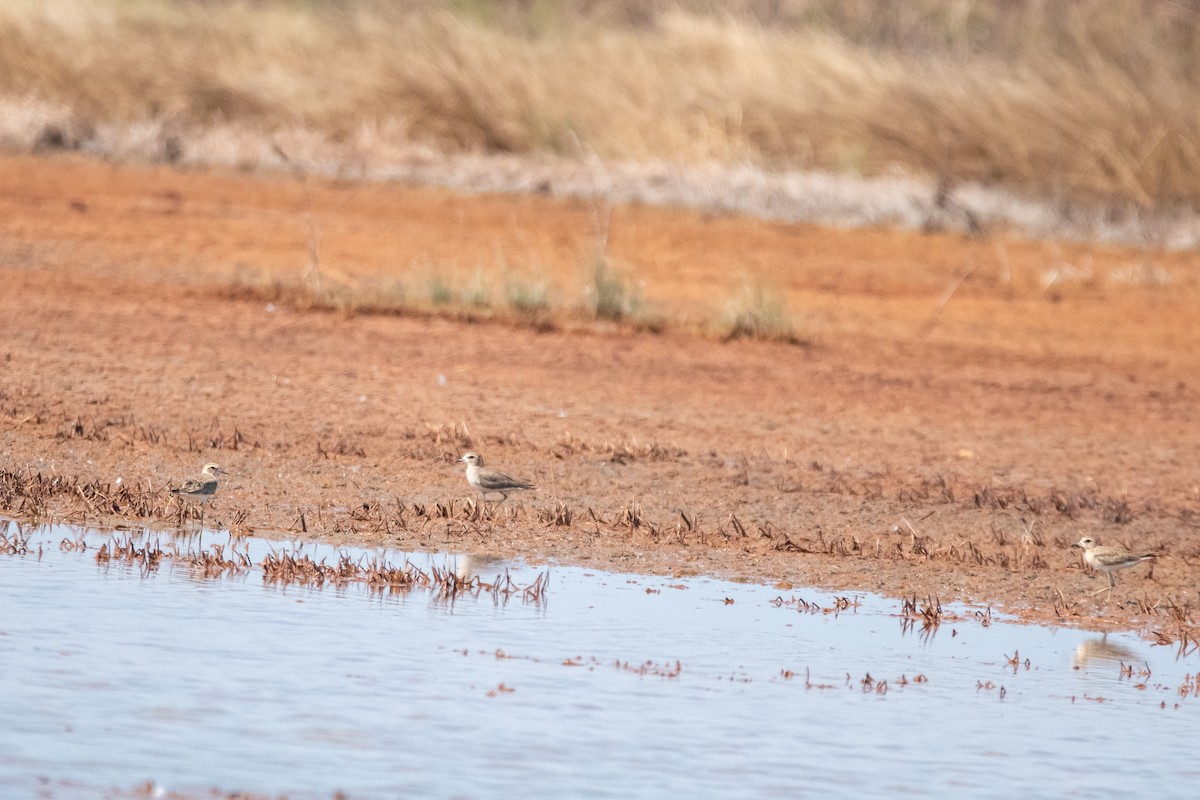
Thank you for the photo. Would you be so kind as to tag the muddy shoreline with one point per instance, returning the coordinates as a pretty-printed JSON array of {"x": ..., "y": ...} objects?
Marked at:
[{"x": 956, "y": 460}]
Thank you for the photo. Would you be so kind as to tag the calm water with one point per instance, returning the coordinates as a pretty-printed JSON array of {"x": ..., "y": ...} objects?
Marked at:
[{"x": 110, "y": 678}]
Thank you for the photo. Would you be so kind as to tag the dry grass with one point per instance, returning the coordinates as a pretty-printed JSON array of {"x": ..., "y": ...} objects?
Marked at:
[{"x": 1082, "y": 103}]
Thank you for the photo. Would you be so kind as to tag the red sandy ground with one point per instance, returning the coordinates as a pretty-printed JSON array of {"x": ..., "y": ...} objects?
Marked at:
[{"x": 913, "y": 445}]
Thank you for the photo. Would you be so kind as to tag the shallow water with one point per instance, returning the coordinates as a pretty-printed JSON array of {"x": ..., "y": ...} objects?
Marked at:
[{"x": 612, "y": 686}]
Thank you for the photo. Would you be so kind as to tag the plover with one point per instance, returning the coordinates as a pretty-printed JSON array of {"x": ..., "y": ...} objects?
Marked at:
[
  {"x": 1109, "y": 560},
  {"x": 203, "y": 486},
  {"x": 486, "y": 481}
]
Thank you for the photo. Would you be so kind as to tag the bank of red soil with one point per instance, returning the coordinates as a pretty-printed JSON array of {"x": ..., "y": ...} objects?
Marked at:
[{"x": 914, "y": 445}]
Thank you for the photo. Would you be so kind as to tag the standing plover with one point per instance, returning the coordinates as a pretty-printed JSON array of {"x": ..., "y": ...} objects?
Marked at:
[
  {"x": 203, "y": 486},
  {"x": 1109, "y": 560},
  {"x": 486, "y": 481}
]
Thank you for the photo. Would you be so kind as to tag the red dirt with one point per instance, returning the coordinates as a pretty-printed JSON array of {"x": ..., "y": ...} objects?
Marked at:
[{"x": 913, "y": 445}]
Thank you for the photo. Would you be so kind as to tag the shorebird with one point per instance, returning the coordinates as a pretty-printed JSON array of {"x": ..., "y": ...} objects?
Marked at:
[
  {"x": 486, "y": 481},
  {"x": 203, "y": 486},
  {"x": 1109, "y": 560}
]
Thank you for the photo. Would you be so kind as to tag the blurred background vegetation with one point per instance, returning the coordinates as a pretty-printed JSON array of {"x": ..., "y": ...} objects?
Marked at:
[{"x": 1077, "y": 102}]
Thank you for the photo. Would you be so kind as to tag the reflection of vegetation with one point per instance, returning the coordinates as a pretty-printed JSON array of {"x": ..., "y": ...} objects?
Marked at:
[{"x": 1073, "y": 100}]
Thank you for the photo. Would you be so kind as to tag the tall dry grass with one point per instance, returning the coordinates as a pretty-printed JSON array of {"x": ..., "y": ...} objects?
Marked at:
[{"x": 1082, "y": 102}]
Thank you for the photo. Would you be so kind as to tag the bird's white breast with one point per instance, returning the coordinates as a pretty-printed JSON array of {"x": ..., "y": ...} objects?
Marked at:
[{"x": 473, "y": 475}]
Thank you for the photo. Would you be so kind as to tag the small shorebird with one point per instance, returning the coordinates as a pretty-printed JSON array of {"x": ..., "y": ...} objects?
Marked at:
[
  {"x": 203, "y": 486},
  {"x": 486, "y": 481},
  {"x": 1109, "y": 560}
]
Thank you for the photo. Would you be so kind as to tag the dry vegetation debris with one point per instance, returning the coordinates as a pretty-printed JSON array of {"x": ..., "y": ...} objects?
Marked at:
[{"x": 1087, "y": 107}]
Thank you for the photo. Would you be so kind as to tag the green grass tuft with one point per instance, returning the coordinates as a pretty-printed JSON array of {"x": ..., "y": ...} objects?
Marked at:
[
  {"x": 610, "y": 295},
  {"x": 441, "y": 293},
  {"x": 529, "y": 298},
  {"x": 759, "y": 312},
  {"x": 478, "y": 291}
]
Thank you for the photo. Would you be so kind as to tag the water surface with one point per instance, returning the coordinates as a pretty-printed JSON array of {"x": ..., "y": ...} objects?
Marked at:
[{"x": 611, "y": 685}]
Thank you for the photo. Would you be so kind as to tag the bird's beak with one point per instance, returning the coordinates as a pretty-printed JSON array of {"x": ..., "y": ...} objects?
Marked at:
[{"x": 1076, "y": 546}]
